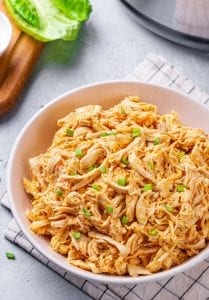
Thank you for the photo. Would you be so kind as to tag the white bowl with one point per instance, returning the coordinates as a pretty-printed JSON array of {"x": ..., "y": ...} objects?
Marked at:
[
  {"x": 5, "y": 33},
  {"x": 37, "y": 135}
]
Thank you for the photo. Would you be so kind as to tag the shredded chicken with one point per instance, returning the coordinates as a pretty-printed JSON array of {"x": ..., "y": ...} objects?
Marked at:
[{"x": 122, "y": 191}]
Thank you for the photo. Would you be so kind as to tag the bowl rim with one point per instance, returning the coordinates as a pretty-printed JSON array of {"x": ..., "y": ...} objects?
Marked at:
[
  {"x": 8, "y": 26},
  {"x": 102, "y": 278}
]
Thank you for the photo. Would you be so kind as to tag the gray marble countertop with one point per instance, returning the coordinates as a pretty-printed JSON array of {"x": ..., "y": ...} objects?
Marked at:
[{"x": 110, "y": 45}]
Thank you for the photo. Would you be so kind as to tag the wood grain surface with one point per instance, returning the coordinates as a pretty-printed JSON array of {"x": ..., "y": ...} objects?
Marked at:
[{"x": 16, "y": 65}]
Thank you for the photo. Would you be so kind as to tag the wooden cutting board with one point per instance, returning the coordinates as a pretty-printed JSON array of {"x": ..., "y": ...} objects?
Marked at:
[{"x": 16, "y": 65}]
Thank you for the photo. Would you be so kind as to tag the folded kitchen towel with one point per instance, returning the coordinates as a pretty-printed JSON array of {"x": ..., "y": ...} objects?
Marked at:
[{"x": 193, "y": 284}]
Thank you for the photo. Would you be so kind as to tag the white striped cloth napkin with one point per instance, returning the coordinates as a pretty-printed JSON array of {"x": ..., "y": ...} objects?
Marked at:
[{"x": 193, "y": 284}]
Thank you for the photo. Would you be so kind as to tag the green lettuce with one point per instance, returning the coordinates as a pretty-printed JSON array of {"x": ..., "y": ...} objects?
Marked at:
[
  {"x": 49, "y": 19},
  {"x": 78, "y": 10}
]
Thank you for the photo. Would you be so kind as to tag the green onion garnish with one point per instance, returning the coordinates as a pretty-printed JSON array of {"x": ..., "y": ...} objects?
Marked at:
[
  {"x": 91, "y": 168},
  {"x": 181, "y": 154},
  {"x": 10, "y": 255},
  {"x": 136, "y": 132},
  {"x": 78, "y": 152},
  {"x": 122, "y": 181},
  {"x": 76, "y": 235},
  {"x": 103, "y": 169},
  {"x": 104, "y": 134},
  {"x": 59, "y": 192},
  {"x": 168, "y": 208},
  {"x": 96, "y": 187},
  {"x": 109, "y": 209},
  {"x": 156, "y": 141},
  {"x": 122, "y": 110},
  {"x": 70, "y": 132},
  {"x": 86, "y": 212},
  {"x": 124, "y": 220},
  {"x": 124, "y": 160},
  {"x": 151, "y": 165},
  {"x": 148, "y": 187},
  {"x": 73, "y": 173},
  {"x": 153, "y": 232},
  {"x": 180, "y": 188}
]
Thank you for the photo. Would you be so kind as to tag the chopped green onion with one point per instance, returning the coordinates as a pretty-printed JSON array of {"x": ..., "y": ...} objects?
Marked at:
[
  {"x": 151, "y": 165},
  {"x": 124, "y": 220},
  {"x": 136, "y": 132},
  {"x": 124, "y": 160},
  {"x": 10, "y": 255},
  {"x": 180, "y": 188},
  {"x": 104, "y": 134},
  {"x": 59, "y": 192},
  {"x": 122, "y": 110},
  {"x": 153, "y": 232},
  {"x": 91, "y": 168},
  {"x": 148, "y": 187},
  {"x": 109, "y": 209},
  {"x": 168, "y": 208},
  {"x": 156, "y": 141},
  {"x": 76, "y": 235},
  {"x": 79, "y": 152},
  {"x": 96, "y": 187},
  {"x": 103, "y": 169},
  {"x": 73, "y": 173},
  {"x": 181, "y": 154},
  {"x": 122, "y": 181},
  {"x": 70, "y": 132},
  {"x": 86, "y": 212}
]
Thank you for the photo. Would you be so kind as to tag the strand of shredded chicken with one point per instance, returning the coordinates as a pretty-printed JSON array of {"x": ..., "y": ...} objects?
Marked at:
[{"x": 122, "y": 191}]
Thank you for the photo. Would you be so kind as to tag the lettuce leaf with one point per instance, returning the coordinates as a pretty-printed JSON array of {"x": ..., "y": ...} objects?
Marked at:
[
  {"x": 78, "y": 10},
  {"x": 46, "y": 21}
]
